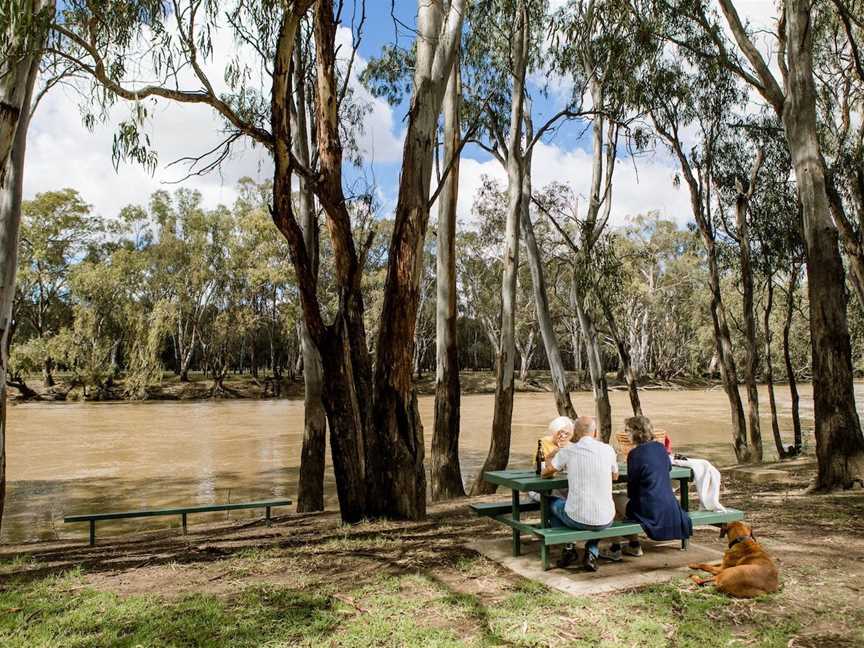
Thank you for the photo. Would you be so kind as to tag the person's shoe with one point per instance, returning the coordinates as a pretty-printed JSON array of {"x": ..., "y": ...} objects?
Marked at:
[
  {"x": 633, "y": 549},
  {"x": 567, "y": 556},
  {"x": 590, "y": 562},
  {"x": 613, "y": 553}
]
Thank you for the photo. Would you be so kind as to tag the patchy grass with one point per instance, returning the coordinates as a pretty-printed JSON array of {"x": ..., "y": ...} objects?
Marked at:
[
  {"x": 413, "y": 609},
  {"x": 59, "y": 611}
]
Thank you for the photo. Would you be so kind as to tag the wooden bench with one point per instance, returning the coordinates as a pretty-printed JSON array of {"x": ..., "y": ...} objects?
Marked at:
[
  {"x": 92, "y": 518},
  {"x": 558, "y": 535}
]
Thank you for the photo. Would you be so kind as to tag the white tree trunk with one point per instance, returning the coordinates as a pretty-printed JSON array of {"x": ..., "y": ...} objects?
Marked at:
[
  {"x": 541, "y": 298},
  {"x": 310, "y": 487},
  {"x": 446, "y": 474},
  {"x": 502, "y": 418},
  {"x": 599, "y": 387},
  {"x": 16, "y": 89}
]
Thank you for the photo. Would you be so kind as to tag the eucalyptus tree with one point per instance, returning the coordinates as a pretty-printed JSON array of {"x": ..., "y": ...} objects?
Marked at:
[
  {"x": 737, "y": 173},
  {"x": 446, "y": 472},
  {"x": 516, "y": 18},
  {"x": 700, "y": 98},
  {"x": 22, "y": 37},
  {"x": 598, "y": 41},
  {"x": 793, "y": 97},
  {"x": 103, "y": 40},
  {"x": 378, "y": 461},
  {"x": 778, "y": 248},
  {"x": 395, "y": 447},
  {"x": 492, "y": 71},
  {"x": 389, "y": 76}
]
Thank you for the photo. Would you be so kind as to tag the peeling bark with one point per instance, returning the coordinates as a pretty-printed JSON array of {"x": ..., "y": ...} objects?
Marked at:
[{"x": 396, "y": 477}]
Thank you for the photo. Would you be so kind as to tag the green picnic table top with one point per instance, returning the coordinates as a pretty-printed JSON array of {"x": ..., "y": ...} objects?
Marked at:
[{"x": 527, "y": 480}]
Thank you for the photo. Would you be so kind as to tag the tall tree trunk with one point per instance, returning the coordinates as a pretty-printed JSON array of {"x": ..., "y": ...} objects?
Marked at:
[
  {"x": 502, "y": 417},
  {"x": 751, "y": 361},
  {"x": 310, "y": 486},
  {"x": 526, "y": 352},
  {"x": 700, "y": 203},
  {"x": 396, "y": 476},
  {"x": 576, "y": 343},
  {"x": 599, "y": 386},
  {"x": 541, "y": 299},
  {"x": 47, "y": 374},
  {"x": 839, "y": 442},
  {"x": 787, "y": 356},
  {"x": 16, "y": 90},
  {"x": 446, "y": 474},
  {"x": 624, "y": 356},
  {"x": 186, "y": 356},
  {"x": 769, "y": 369},
  {"x": 725, "y": 354},
  {"x": 342, "y": 344}
]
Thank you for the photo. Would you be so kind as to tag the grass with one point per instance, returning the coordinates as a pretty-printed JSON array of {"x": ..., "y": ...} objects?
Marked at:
[
  {"x": 414, "y": 609},
  {"x": 57, "y": 612}
]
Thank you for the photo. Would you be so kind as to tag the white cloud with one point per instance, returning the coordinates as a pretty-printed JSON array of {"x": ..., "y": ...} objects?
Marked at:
[
  {"x": 640, "y": 185},
  {"x": 63, "y": 153}
]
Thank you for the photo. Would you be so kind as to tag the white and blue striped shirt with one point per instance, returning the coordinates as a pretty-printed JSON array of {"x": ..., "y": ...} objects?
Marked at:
[{"x": 590, "y": 465}]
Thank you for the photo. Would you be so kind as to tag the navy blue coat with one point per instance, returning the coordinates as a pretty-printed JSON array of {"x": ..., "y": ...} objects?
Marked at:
[{"x": 652, "y": 501}]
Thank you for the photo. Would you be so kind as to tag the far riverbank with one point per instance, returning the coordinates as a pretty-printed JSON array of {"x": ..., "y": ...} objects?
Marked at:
[{"x": 248, "y": 387}]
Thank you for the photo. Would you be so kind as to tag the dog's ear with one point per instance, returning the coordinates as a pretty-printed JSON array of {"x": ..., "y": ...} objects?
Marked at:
[{"x": 723, "y": 530}]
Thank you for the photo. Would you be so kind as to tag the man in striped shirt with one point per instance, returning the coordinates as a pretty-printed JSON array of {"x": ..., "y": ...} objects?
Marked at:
[{"x": 591, "y": 467}]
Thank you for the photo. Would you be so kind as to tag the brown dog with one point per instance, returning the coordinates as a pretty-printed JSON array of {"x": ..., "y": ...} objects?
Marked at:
[{"x": 746, "y": 570}]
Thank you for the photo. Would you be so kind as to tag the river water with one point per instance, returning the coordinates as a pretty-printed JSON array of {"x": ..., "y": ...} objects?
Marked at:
[{"x": 69, "y": 458}]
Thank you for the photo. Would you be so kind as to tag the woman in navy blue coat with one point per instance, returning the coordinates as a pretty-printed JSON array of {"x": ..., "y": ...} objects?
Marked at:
[{"x": 650, "y": 498}]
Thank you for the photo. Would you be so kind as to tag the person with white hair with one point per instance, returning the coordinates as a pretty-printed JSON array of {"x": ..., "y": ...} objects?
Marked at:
[
  {"x": 591, "y": 467},
  {"x": 560, "y": 434}
]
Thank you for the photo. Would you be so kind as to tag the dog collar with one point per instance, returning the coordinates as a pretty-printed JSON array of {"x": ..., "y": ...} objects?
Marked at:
[{"x": 734, "y": 542}]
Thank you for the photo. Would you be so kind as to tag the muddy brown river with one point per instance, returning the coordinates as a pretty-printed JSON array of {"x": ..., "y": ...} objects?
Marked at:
[{"x": 65, "y": 459}]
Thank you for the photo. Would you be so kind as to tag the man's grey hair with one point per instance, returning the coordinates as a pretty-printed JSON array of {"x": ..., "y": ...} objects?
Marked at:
[
  {"x": 584, "y": 426},
  {"x": 562, "y": 423}
]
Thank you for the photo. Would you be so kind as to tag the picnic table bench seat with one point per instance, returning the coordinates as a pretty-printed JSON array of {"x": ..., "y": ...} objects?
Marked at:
[
  {"x": 561, "y": 535},
  {"x": 182, "y": 511}
]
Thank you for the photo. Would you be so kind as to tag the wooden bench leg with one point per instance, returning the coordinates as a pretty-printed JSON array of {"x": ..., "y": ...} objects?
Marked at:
[
  {"x": 92, "y": 532},
  {"x": 268, "y": 515},
  {"x": 184, "y": 523},
  {"x": 517, "y": 548}
]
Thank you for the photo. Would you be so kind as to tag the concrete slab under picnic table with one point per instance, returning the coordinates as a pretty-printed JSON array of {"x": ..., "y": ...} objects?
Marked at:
[{"x": 663, "y": 561}]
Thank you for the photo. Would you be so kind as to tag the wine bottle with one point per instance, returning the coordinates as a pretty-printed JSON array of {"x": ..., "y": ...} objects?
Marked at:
[{"x": 540, "y": 457}]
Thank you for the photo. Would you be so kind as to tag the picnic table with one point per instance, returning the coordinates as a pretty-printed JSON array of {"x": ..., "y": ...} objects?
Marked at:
[{"x": 525, "y": 480}]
